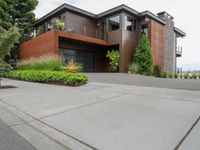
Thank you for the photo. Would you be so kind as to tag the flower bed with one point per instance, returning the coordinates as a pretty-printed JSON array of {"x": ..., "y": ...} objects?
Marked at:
[{"x": 46, "y": 76}]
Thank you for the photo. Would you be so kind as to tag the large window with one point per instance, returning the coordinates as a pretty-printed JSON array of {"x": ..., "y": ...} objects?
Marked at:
[
  {"x": 114, "y": 23},
  {"x": 130, "y": 23}
]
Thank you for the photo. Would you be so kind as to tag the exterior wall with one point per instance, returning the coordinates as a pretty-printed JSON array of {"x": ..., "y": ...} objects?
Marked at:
[
  {"x": 129, "y": 43},
  {"x": 47, "y": 43},
  {"x": 41, "y": 45},
  {"x": 101, "y": 28},
  {"x": 170, "y": 44},
  {"x": 82, "y": 25},
  {"x": 115, "y": 38},
  {"x": 157, "y": 38}
]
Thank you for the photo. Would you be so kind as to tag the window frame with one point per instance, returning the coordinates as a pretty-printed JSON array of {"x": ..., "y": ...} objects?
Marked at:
[
  {"x": 133, "y": 23},
  {"x": 118, "y": 15}
]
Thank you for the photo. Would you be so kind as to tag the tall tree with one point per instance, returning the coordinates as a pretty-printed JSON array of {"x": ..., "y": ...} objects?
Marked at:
[
  {"x": 18, "y": 13},
  {"x": 6, "y": 13},
  {"x": 143, "y": 55},
  {"x": 24, "y": 17},
  {"x": 7, "y": 40}
]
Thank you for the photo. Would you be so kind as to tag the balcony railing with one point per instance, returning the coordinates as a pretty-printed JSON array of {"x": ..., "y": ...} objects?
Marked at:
[{"x": 179, "y": 50}]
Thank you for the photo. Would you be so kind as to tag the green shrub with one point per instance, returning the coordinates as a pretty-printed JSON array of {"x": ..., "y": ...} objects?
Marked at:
[
  {"x": 143, "y": 56},
  {"x": 113, "y": 57},
  {"x": 190, "y": 76},
  {"x": 186, "y": 76},
  {"x": 47, "y": 76},
  {"x": 134, "y": 68},
  {"x": 199, "y": 75},
  {"x": 175, "y": 75},
  {"x": 73, "y": 67},
  {"x": 194, "y": 76},
  {"x": 163, "y": 74},
  {"x": 4, "y": 68},
  {"x": 157, "y": 71},
  {"x": 48, "y": 62},
  {"x": 170, "y": 75}
]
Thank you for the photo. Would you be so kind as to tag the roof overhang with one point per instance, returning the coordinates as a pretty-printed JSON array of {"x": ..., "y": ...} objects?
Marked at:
[
  {"x": 179, "y": 32},
  {"x": 151, "y": 15},
  {"x": 62, "y": 8},
  {"x": 117, "y": 9},
  {"x": 122, "y": 7}
]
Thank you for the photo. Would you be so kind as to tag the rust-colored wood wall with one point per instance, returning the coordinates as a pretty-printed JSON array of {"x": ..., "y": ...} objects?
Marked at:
[
  {"x": 157, "y": 35},
  {"x": 48, "y": 43},
  {"x": 42, "y": 45}
]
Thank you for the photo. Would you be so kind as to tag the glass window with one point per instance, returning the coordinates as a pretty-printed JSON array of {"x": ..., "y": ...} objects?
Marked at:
[
  {"x": 130, "y": 23},
  {"x": 144, "y": 30},
  {"x": 114, "y": 23}
]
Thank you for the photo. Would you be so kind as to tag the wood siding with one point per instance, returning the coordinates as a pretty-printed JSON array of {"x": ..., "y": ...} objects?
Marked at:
[
  {"x": 157, "y": 37},
  {"x": 48, "y": 43},
  {"x": 42, "y": 45}
]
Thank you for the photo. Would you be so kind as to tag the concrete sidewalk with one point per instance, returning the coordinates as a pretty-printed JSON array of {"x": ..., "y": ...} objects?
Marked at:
[
  {"x": 11, "y": 140},
  {"x": 101, "y": 116}
]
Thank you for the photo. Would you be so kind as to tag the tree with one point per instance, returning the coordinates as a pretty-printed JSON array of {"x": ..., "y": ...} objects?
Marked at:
[
  {"x": 7, "y": 40},
  {"x": 114, "y": 58},
  {"x": 18, "y": 13},
  {"x": 6, "y": 13},
  {"x": 24, "y": 17},
  {"x": 143, "y": 55}
]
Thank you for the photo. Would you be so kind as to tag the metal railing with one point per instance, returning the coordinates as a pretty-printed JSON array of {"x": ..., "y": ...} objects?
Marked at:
[{"x": 179, "y": 50}]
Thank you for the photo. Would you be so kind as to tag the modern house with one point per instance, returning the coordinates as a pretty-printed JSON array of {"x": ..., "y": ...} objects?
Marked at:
[{"x": 86, "y": 37}]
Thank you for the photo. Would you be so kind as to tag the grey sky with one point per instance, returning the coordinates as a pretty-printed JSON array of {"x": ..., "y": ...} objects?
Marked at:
[{"x": 184, "y": 11}]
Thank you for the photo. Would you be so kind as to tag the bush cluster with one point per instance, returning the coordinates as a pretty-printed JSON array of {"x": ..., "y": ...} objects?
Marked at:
[
  {"x": 4, "y": 68},
  {"x": 48, "y": 62},
  {"x": 157, "y": 70},
  {"x": 114, "y": 58},
  {"x": 190, "y": 76},
  {"x": 46, "y": 76},
  {"x": 134, "y": 68},
  {"x": 143, "y": 56}
]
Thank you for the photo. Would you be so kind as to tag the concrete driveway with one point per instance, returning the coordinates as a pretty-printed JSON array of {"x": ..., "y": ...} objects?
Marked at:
[
  {"x": 102, "y": 116},
  {"x": 129, "y": 79}
]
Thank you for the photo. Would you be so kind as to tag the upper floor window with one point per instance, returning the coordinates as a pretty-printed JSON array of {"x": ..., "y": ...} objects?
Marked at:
[
  {"x": 130, "y": 23},
  {"x": 145, "y": 30},
  {"x": 114, "y": 23}
]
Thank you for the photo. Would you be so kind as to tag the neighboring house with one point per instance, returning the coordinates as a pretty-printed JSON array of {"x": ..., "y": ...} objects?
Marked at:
[{"x": 87, "y": 37}]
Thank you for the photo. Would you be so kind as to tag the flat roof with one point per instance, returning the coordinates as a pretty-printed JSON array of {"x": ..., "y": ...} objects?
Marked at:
[
  {"x": 153, "y": 16},
  {"x": 122, "y": 7},
  {"x": 61, "y": 9},
  {"x": 179, "y": 32}
]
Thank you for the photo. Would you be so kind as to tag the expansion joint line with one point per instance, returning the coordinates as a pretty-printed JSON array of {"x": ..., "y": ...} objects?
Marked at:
[
  {"x": 186, "y": 135},
  {"x": 87, "y": 145}
]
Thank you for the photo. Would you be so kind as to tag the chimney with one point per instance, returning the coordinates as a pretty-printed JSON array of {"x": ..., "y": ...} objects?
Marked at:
[{"x": 164, "y": 15}]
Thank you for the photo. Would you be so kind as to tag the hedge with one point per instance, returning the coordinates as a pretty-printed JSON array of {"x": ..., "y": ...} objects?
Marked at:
[{"x": 47, "y": 76}]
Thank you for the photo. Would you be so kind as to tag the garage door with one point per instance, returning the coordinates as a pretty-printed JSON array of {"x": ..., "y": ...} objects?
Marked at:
[{"x": 85, "y": 58}]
